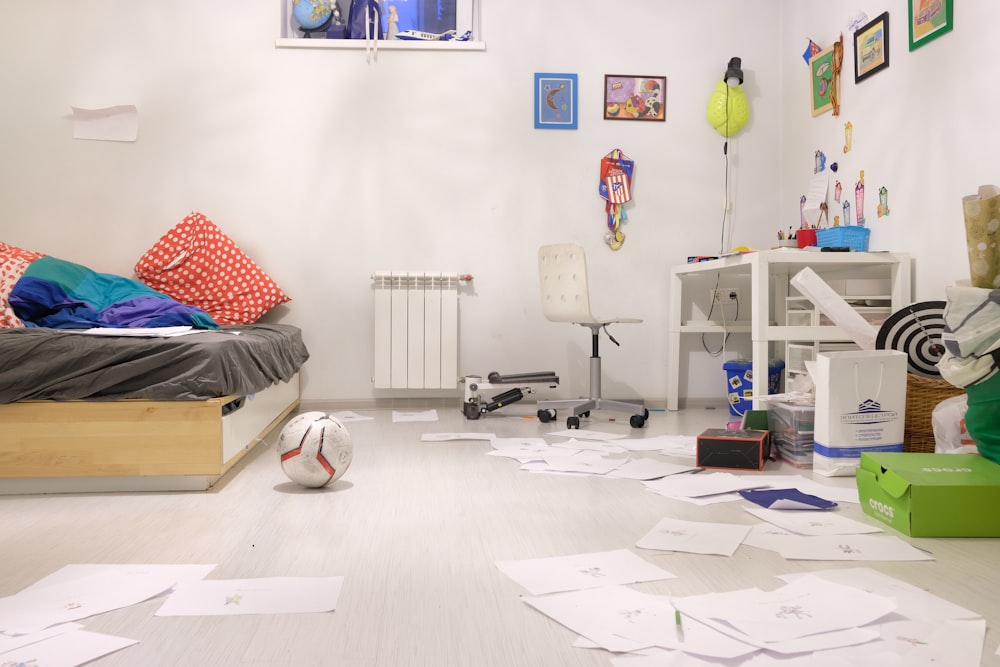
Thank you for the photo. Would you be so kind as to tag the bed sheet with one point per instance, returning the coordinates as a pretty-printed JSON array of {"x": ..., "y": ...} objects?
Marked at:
[{"x": 57, "y": 364}]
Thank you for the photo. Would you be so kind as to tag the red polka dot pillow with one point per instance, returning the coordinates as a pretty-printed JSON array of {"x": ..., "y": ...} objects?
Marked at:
[
  {"x": 197, "y": 264},
  {"x": 13, "y": 262}
]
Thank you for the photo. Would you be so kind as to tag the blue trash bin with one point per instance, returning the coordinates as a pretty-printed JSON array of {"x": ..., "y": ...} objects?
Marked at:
[{"x": 739, "y": 373}]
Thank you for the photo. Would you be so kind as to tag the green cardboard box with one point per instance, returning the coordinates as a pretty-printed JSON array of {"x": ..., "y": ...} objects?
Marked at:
[{"x": 931, "y": 495}]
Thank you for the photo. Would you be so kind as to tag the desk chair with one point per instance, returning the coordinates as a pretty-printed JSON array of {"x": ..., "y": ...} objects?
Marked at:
[{"x": 562, "y": 271}]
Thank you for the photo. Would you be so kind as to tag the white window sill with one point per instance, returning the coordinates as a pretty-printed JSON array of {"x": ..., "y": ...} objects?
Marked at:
[{"x": 383, "y": 45}]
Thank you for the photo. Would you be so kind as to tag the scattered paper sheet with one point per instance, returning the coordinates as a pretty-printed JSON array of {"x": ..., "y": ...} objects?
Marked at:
[
  {"x": 37, "y": 608},
  {"x": 167, "y": 571},
  {"x": 621, "y": 619},
  {"x": 694, "y": 537},
  {"x": 645, "y": 468},
  {"x": 805, "y": 522},
  {"x": 67, "y": 649},
  {"x": 703, "y": 484},
  {"x": 346, "y": 416},
  {"x": 588, "y": 435},
  {"x": 591, "y": 445},
  {"x": 11, "y": 642},
  {"x": 117, "y": 123},
  {"x": 588, "y": 462},
  {"x": 832, "y": 547},
  {"x": 421, "y": 416},
  {"x": 267, "y": 595},
  {"x": 846, "y": 492},
  {"x": 669, "y": 445},
  {"x": 442, "y": 437},
  {"x": 590, "y": 570}
]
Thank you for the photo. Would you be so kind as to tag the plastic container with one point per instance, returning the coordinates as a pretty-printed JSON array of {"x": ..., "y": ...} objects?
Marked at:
[
  {"x": 852, "y": 236},
  {"x": 739, "y": 373},
  {"x": 791, "y": 427},
  {"x": 805, "y": 237}
]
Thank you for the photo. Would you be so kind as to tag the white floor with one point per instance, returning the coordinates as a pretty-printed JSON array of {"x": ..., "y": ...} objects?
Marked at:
[{"x": 415, "y": 529}]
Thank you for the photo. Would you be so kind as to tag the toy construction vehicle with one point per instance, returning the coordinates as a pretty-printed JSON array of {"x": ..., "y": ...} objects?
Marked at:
[{"x": 474, "y": 403}]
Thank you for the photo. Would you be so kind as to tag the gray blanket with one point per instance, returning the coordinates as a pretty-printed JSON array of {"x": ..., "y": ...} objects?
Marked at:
[{"x": 237, "y": 360}]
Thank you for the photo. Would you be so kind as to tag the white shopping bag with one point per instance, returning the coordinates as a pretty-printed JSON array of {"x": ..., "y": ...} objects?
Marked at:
[{"x": 860, "y": 407}]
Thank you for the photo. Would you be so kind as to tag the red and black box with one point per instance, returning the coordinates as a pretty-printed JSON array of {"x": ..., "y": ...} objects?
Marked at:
[{"x": 744, "y": 449}]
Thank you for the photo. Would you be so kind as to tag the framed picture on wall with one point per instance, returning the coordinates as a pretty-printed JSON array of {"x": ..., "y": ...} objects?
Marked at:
[
  {"x": 871, "y": 47},
  {"x": 628, "y": 97},
  {"x": 929, "y": 19},
  {"x": 555, "y": 101},
  {"x": 823, "y": 81}
]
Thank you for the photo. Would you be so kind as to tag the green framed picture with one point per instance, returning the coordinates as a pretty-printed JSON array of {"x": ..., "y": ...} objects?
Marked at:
[
  {"x": 929, "y": 19},
  {"x": 823, "y": 81}
]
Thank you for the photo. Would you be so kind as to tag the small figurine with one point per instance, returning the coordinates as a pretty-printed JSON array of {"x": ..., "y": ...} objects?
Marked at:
[
  {"x": 819, "y": 162},
  {"x": 848, "y": 136},
  {"x": 837, "y": 190},
  {"x": 859, "y": 199},
  {"x": 883, "y": 201}
]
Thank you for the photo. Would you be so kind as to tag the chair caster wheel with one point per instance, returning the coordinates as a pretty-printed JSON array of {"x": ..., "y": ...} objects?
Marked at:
[
  {"x": 638, "y": 421},
  {"x": 585, "y": 414},
  {"x": 545, "y": 416},
  {"x": 573, "y": 422}
]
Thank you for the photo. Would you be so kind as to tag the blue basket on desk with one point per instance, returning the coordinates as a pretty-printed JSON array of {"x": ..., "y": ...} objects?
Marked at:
[{"x": 852, "y": 236}]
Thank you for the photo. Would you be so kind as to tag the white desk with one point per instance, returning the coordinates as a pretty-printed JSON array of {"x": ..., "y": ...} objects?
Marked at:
[{"x": 769, "y": 272}]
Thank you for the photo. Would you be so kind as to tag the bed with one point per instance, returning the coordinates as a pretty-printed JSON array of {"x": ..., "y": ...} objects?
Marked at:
[{"x": 107, "y": 384}]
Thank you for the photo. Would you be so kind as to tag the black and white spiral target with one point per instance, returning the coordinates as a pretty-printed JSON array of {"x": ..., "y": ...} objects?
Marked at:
[{"x": 916, "y": 330}]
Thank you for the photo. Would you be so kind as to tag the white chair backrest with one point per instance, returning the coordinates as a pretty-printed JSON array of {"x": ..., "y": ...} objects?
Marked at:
[{"x": 562, "y": 272}]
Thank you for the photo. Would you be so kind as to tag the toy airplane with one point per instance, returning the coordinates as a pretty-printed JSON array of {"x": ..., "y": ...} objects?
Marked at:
[{"x": 421, "y": 36}]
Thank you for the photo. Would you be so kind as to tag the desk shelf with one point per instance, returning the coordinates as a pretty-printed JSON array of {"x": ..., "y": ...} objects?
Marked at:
[{"x": 883, "y": 278}]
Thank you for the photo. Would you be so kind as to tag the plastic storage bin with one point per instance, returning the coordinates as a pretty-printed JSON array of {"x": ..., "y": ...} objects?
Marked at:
[
  {"x": 851, "y": 236},
  {"x": 791, "y": 427},
  {"x": 739, "y": 373}
]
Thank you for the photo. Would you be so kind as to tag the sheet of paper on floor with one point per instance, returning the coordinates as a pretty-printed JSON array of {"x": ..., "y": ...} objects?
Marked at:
[
  {"x": 419, "y": 416},
  {"x": 67, "y": 649},
  {"x": 695, "y": 537},
  {"x": 609, "y": 615},
  {"x": 703, "y": 484},
  {"x": 591, "y": 445},
  {"x": 833, "y": 547},
  {"x": 644, "y": 468},
  {"x": 176, "y": 573},
  {"x": 668, "y": 445},
  {"x": 813, "y": 522},
  {"x": 265, "y": 595},
  {"x": 584, "y": 434},
  {"x": 587, "y": 462},
  {"x": 346, "y": 416},
  {"x": 11, "y": 642},
  {"x": 554, "y": 574},
  {"x": 808, "y": 606},
  {"x": 847, "y": 493},
  {"x": 442, "y": 437},
  {"x": 35, "y": 609}
]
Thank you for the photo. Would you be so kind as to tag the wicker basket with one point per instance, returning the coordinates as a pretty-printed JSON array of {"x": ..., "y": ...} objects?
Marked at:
[{"x": 922, "y": 396}]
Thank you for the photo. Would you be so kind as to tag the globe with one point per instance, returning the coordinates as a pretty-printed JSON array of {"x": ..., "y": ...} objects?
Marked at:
[{"x": 311, "y": 14}]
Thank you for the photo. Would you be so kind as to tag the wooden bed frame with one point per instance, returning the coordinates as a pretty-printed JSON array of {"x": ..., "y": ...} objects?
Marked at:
[{"x": 133, "y": 445}]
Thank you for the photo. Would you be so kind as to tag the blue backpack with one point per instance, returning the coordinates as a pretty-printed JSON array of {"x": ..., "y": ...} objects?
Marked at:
[{"x": 364, "y": 20}]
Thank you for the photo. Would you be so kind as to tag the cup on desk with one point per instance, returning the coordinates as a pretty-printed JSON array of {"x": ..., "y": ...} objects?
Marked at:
[
  {"x": 805, "y": 237},
  {"x": 788, "y": 243}
]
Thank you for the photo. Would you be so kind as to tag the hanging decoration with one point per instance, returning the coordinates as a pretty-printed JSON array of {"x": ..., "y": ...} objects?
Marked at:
[
  {"x": 859, "y": 199},
  {"x": 883, "y": 201},
  {"x": 848, "y": 137},
  {"x": 838, "y": 62},
  {"x": 616, "y": 188},
  {"x": 847, "y": 212}
]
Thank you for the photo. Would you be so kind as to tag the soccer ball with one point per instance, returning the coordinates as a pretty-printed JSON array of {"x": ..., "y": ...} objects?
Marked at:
[{"x": 315, "y": 449}]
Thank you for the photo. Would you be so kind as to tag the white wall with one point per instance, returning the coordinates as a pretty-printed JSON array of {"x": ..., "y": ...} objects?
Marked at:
[{"x": 325, "y": 169}]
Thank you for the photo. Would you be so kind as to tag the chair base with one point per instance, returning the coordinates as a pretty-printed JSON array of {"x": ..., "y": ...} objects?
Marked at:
[{"x": 580, "y": 405}]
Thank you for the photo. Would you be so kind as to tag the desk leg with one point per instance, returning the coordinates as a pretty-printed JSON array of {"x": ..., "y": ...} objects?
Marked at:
[
  {"x": 674, "y": 343},
  {"x": 760, "y": 309}
]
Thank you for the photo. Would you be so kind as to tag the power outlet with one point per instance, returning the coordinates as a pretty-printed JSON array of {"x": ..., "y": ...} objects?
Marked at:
[{"x": 725, "y": 295}]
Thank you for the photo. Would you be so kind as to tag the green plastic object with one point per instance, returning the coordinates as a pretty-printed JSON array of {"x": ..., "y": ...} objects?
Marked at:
[{"x": 982, "y": 419}]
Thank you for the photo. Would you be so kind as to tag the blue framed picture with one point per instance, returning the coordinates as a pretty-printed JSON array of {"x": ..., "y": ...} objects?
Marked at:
[{"x": 555, "y": 101}]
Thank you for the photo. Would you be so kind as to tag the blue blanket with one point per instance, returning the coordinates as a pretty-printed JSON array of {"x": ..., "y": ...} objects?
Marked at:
[{"x": 57, "y": 294}]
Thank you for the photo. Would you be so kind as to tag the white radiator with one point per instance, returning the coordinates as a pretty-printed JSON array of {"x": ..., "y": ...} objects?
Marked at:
[{"x": 416, "y": 330}]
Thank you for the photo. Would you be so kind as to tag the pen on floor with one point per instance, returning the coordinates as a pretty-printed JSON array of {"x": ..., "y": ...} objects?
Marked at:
[{"x": 679, "y": 626}]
